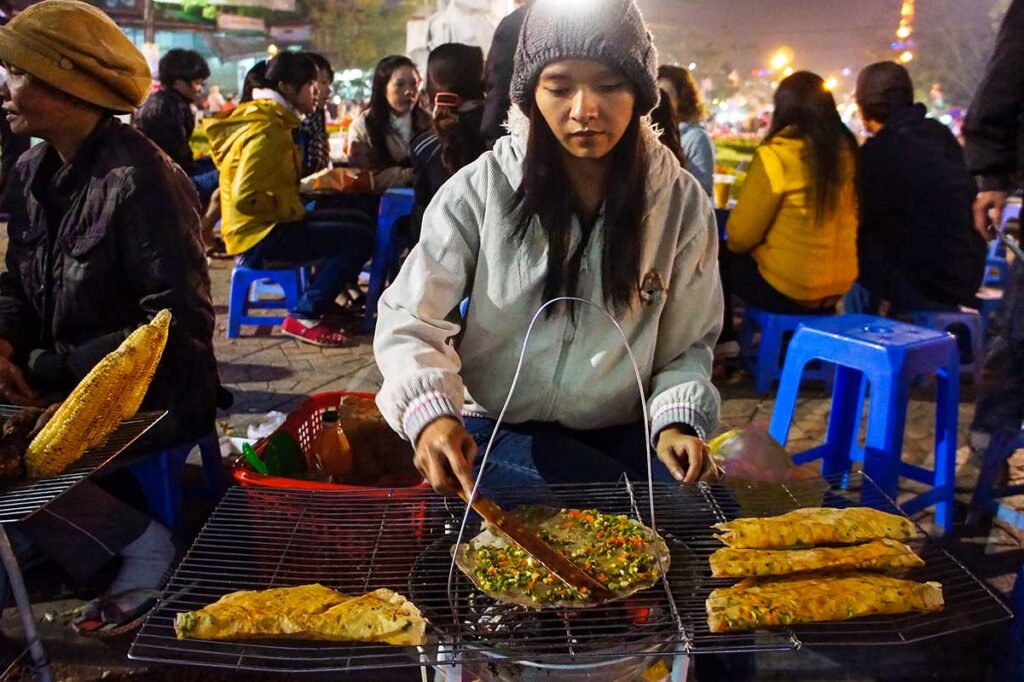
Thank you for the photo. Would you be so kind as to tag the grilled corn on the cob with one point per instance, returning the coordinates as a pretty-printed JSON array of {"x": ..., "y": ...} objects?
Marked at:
[{"x": 111, "y": 392}]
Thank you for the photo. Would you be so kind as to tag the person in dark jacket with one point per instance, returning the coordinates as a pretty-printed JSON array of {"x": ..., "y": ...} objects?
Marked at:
[
  {"x": 917, "y": 246},
  {"x": 166, "y": 117},
  {"x": 104, "y": 234},
  {"x": 992, "y": 132},
  {"x": 500, "y": 63},
  {"x": 455, "y": 90}
]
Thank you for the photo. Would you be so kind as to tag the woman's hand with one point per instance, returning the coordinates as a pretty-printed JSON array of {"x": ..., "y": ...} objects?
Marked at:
[
  {"x": 13, "y": 386},
  {"x": 686, "y": 457},
  {"x": 444, "y": 455}
]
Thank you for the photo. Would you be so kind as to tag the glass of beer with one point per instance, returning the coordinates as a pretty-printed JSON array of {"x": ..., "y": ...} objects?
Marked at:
[{"x": 723, "y": 187}]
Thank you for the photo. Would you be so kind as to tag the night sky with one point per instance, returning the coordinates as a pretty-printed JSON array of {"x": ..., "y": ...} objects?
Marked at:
[{"x": 826, "y": 35}]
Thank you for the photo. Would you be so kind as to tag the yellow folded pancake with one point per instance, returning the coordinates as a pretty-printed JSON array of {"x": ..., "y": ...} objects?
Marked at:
[
  {"x": 878, "y": 555},
  {"x": 765, "y": 603},
  {"x": 815, "y": 526},
  {"x": 311, "y": 612}
]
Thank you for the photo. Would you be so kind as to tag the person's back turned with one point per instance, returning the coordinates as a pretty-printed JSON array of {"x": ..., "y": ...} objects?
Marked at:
[{"x": 918, "y": 249}]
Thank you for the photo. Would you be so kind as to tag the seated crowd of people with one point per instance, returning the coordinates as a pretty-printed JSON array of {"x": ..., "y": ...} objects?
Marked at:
[{"x": 575, "y": 197}]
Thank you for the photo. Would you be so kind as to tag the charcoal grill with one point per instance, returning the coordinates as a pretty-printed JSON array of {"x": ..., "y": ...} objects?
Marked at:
[
  {"x": 360, "y": 541},
  {"x": 21, "y": 499}
]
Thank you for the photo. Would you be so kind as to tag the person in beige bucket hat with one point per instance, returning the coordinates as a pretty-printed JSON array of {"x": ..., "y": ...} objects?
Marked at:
[
  {"x": 103, "y": 234},
  {"x": 77, "y": 49}
]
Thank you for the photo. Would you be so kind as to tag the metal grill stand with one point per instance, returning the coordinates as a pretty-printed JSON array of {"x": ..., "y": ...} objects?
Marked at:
[
  {"x": 356, "y": 542},
  {"x": 21, "y": 499},
  {"x": 28, "y": 623}
]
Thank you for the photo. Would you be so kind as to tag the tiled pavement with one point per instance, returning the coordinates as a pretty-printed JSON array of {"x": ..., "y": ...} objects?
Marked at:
[{"x": 266, "y": 371}]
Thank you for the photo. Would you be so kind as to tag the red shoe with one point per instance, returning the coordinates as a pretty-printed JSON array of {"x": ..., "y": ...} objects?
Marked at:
[{"x": 321, "y": 334}]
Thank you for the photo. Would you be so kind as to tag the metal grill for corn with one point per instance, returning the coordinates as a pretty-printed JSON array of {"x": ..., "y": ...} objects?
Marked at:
[
  {"x": 359, "y": 541},
  {"x": 19, "y": 499}
]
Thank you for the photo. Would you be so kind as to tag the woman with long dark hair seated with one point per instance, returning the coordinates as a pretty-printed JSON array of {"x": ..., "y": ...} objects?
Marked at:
[
  {"x": 793, "y": 233},
  {"x": 380, "y": 138},
  {"x": 263, "y": 219},
  {"x": 688, "y": 107},
  {"x": 580, "y": 200},
  {"x": 455, "y": 91}
]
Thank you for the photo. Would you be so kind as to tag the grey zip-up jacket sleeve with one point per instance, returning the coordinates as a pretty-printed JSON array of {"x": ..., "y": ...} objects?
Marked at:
[{"x": 576, "y": 372}]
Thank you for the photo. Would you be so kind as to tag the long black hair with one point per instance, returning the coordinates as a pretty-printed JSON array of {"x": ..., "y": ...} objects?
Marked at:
[
  {"x": 545, "y": 193},
  {"x": 378, "y": 116},
  {"x": 664, "y": 117},
  {"x": 456, "y": 69},
  {"x": 805, "y": 108},
  {"x": 294, "y": 68}
]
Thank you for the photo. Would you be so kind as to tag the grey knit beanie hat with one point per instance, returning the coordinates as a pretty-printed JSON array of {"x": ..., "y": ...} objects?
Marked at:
[{"x": 609, "y": 31}]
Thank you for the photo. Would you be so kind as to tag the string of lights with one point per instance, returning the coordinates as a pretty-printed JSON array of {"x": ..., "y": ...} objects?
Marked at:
[{"x": 904, "y": 44}]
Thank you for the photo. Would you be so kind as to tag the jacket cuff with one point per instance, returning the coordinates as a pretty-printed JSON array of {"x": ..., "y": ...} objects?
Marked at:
[
  {"x": 995, "y": 183},
  {"x": 679, "y": 413},
  {"x": 425, "y": 409}
]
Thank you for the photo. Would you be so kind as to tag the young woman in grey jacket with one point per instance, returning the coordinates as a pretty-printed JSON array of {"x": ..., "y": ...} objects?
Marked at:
[{"x": 580, "y": 200}]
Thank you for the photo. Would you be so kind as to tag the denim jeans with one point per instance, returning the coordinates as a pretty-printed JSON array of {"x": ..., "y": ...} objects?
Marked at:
[
  {"x": 340, "y": 241},
  {"x": 535, "y": 454}
]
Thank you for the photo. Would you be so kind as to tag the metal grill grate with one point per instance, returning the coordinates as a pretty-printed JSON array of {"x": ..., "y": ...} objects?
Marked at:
[
  {"x": 23, "y": 498},
  {"x": 360, "y": 541}
]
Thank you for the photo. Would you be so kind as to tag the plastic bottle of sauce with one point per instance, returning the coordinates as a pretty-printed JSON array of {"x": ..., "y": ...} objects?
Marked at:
[{"x": 332, "y": 449}]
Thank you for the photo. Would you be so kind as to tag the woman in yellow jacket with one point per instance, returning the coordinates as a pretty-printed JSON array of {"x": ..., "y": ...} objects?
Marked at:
[
  {"x": 792, "y": 238},
  {"x": 263, "y": 217}
]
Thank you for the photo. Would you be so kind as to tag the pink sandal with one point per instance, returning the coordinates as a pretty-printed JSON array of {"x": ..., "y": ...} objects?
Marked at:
[{"x": 321, "y": 334}]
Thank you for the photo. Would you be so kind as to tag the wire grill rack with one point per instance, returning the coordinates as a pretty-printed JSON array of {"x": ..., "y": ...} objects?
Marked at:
[
  {"x": 23, "y": 498},
  {"x": 356, "y": 542}
]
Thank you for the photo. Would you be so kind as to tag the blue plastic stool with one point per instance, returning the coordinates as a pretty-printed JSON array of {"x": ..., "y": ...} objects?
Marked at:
[
  {"x": 160, "y": 477},
  {"x": 889, "y": 356},
  {"x": 944, "y": 321},
  {"x": 245, "y": 286},
  {"x": 394, "y": 205},
  {"x": 766, "y": 362}
]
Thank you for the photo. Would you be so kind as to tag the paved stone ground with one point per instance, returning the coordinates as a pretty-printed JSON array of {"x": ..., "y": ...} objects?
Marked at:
[{"x": 269, "y": 372}]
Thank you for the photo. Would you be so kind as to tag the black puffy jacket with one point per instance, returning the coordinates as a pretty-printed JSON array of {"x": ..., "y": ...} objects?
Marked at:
[
  {"x": 96, "y": 247},
  {"x": 916, "y": 217}
]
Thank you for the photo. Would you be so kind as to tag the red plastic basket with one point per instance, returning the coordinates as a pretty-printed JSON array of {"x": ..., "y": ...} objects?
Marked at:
[{"x": 304, "y": 425}]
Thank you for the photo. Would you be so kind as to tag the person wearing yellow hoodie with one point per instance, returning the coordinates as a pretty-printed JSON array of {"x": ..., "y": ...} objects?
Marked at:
[
  {"x": 792, "y": 238},
  {"x": 263, "y": 217}
]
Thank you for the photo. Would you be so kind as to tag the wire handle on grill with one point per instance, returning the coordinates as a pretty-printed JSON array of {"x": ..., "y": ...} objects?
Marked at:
[{"x": 501, "y": 416}]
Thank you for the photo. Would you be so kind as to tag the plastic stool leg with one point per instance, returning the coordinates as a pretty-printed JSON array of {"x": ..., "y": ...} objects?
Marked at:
[
  {"x": 785, "y": 399},
  {"x": 843, "y": 420},
  {"x": 946, "y": 414},
  {"x": 379, "y": 266},
  {"x": 887, "y": 417},
  {"x": 291, "y": 285},
  {"x": 237, "y": 303}
]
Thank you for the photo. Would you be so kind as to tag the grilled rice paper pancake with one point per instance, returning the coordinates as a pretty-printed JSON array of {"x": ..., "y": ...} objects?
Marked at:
[
  {"x": 617, "y": 551},
  {"x": 311, "y": 612},
  {"x": 815, "y": 526},
  {"x": 885, "y": 556},
  {"x": 765, "y": 603}
]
